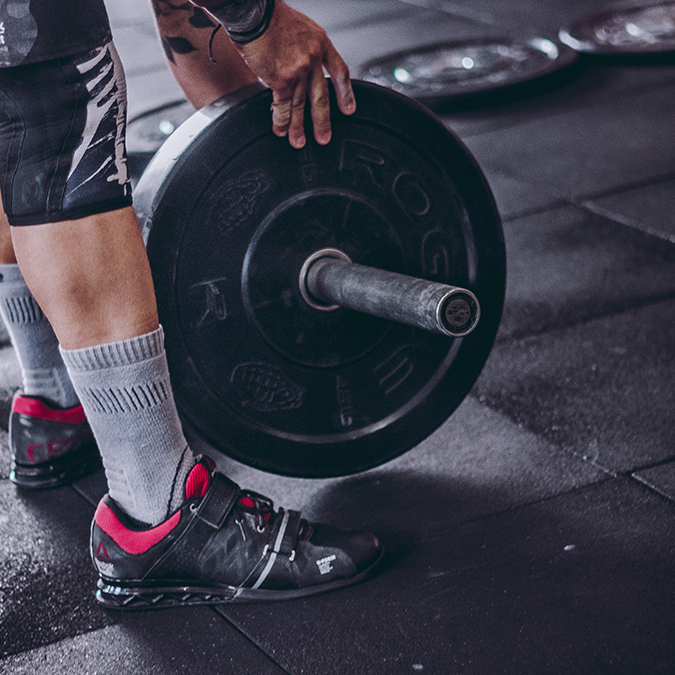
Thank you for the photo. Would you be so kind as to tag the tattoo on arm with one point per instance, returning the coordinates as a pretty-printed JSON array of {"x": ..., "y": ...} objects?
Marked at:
[{"x": 168, "y": 11}]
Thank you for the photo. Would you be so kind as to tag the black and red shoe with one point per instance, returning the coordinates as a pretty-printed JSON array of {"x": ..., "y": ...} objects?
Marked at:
[
  {"x": 50, "y": 446},
  {"x": 224, "y": 545}
]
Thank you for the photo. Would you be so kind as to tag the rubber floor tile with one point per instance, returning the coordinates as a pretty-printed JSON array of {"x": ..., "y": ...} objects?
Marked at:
[
  {"x": 649, "y": 208},
  {"x": 477, "y": 462},
  {"x": 515, "y": 198},
  {"x": 589, "y": 151},
  {"x": 581, "y": 583},
  {"x": 413, "y": 30},
  {"x": 92, "y": 487},
  {"x": 660, "y": 478},
  {"x": 147, "y": 643},
  {"x": 127, "y": 12},
  {"x": 585, "y": 84},
  {"x": 333, "y": 16},
  {"x": 547, "y": 16},
  {"x": 139, "y": 48},
  {"x": 5, "y": 455},
  {"x": 47, "y": 581},
  {"x": 567, "y": 265},
  {"x": 602, "y": 389}
]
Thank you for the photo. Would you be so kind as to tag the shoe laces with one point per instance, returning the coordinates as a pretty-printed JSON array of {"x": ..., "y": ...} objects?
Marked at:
[{"x": 260, "y": 507}]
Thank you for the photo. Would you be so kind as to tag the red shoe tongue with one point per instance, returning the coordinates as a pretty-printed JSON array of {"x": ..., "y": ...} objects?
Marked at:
[
  {"x": 197, "y": 482},
  {"x": 264, "y": 510}
]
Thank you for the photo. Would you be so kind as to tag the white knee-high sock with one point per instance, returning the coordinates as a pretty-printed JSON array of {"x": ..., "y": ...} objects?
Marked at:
[
  {"x": 43, "y": 371},
  {"x": 125, "y": 390}
]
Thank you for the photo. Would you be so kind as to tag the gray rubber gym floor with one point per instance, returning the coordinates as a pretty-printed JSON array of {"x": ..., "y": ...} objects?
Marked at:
[{"x": 534, "y": 531}]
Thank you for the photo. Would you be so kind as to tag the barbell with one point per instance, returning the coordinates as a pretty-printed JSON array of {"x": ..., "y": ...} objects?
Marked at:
[{"x": 325, "y": 309}]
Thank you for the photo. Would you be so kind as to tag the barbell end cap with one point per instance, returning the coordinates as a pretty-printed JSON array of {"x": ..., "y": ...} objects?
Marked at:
[{"x": 458, "y": 312}]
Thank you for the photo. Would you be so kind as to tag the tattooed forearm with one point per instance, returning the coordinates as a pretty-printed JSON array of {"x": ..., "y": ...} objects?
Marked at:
[
  {"x": 176, "y": 21},
  {"x": 166, "y": 7},
  {"x": 244, "y": 20}
]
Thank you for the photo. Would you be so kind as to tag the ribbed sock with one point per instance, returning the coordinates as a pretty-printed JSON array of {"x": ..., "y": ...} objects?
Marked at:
[
  {"x": 125, "y": 390},
  {"x": 37, "y": 348}
]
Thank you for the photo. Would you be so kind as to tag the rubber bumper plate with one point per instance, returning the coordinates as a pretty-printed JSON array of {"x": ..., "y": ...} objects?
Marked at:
[
  {"x": 625, "y": 28},
  {"x": 230, "y": 214},
  {"x": 147, "y": 132},
  {"x": 458, "y": 71}
]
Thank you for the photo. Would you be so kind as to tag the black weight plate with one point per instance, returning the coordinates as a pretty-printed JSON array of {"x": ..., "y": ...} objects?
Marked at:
[
  {"x": 229, "y": 219},
  {"x": 147, "y": 132},
  {"x": 456, "y": 71},
  {"x": 629, "y": 28}
]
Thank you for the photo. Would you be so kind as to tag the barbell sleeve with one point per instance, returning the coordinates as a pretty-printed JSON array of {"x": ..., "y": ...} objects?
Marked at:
[{"x": 338, "y": 282}]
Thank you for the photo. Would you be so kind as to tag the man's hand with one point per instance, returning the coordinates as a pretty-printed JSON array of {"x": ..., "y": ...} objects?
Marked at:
[{"x": 290, "y": 58}]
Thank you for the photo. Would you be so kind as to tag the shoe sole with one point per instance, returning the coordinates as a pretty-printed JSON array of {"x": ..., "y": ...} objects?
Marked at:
[
  {"x": 167, "y": 594},
  {"x": 61, "y": 471}
]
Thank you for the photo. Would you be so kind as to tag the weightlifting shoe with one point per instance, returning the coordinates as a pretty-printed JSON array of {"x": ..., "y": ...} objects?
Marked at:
[
  {"x": 224, "y": 545},
  {"x": 50, "y": 447}
]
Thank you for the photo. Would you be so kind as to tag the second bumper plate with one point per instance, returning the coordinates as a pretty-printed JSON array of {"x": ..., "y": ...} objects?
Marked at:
[
  {"x": 443, "y": 73},
  {"x": 624, "y": 28}
]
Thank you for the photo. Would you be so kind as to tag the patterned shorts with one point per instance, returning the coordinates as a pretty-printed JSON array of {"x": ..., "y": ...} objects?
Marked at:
[{"x": 62, "y": 138}]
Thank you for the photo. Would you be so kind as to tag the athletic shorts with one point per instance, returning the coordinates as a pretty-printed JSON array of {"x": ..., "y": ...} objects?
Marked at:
[{"x": 62, "y": 138}]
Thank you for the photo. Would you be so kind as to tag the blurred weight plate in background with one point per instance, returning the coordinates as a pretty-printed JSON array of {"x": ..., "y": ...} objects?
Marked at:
[
  {"x": 147, "y": 132},
  {"x": 624, "y": 28},
  {"x": 459, "y": 71}
]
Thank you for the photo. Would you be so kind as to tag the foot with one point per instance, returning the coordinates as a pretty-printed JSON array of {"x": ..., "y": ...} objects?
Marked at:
[
  {"x": 223, "y": 545},
  {"x": 50, "y": 447}
]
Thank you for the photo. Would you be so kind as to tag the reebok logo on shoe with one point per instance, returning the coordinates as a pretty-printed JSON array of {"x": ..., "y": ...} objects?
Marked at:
[
  {"x": 325, "y": 564},
  {"x": 102, "y": 553}
]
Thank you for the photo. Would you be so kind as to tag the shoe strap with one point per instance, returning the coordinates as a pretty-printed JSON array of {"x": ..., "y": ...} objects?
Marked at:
[
  {"x": 208, "y": 516},
  {"x": 283, "y": 540},
  {"x": 218, "y": 501}
]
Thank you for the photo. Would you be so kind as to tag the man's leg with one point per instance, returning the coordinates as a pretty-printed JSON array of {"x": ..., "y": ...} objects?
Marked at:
[
  {"x": 7, "y": 255},
  {"x": 50, "y": 440},
  {"x": 90, "y": 276},
  {"x": 64, "y": 145},
  {"x": 92, "y": 279},
  {"x": 43, "y": 371}
]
